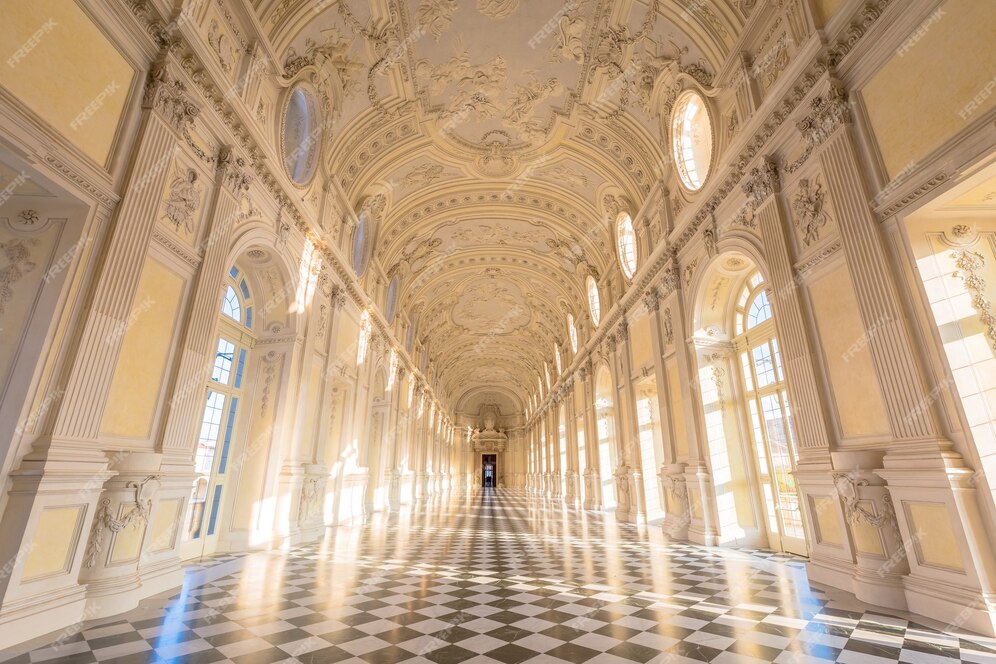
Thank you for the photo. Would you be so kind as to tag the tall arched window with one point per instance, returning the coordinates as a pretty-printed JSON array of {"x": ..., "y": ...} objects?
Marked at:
[
  {"x": 626, "y": 244},
  {"x": 572, "y": 332},
  {"x": 218, "y": 419},
  {"x": 771, "y": 419},
  {"x": 691, "y": 139},
  {"x": 558, "y": 361},
  {"x": 594, "y": 304}
]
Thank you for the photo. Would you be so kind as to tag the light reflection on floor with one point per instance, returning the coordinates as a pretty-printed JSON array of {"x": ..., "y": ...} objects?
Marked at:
[{"x": 501, "y": 577}]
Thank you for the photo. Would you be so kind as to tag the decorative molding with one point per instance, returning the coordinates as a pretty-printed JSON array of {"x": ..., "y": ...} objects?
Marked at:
[
  {"x": 183, "y": 200},
  {"x": 176, "y": 248},
  {"x": 19, "y": 264},
  {"x": 970, "y": 266},
  {"x": 105, "y": 520},
  {"x": 168, "y": 95},
  {"x": 810, "y": 215},
  {"x": 825, "y": 252},
  {"x": 668, "y": 327},
  {"x": 762, "y": 182},
  {"x": 847, "y": 488},
  {"x": 312, "y": 491},
  {"x": 914, "y": 195}
]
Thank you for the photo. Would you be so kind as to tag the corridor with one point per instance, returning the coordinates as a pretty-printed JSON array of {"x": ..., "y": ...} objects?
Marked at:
[{"x": 501, "y": 577}]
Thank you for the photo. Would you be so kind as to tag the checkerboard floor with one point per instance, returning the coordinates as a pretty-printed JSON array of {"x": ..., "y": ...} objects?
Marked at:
[{"x": 502, "y": 578}]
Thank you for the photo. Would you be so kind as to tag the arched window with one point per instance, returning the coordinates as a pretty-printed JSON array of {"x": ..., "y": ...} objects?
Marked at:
[
  {"x": 572, "y": 332},
  {"x": 546, "y": 370},
  {"x": 231, "y": 306},
  {"x": 691, "y": 139},
  {"x": 769, "y": 412},
  {"x": 626, "y": 244},
  {"x": 361, "y": 242},
  {"x": 594, "y": 304},
  {"x": 218, "y": 419},
  {"x": 557, "y": 359},
  {"x": 237, "y": 303}
]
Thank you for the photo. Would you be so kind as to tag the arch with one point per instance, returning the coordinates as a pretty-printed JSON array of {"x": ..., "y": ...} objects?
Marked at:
[
  {"x": 280, "y": 290},
  {"x": 605, "y": 428},
  {"x": 749, "y": 434}
]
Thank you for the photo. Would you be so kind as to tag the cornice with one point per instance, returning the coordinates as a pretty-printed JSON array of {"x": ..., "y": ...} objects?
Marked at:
[{"x": 174, "y": 49}]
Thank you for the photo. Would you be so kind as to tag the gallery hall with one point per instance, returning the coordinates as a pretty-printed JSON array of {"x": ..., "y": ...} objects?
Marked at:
[{"x": 497, "y": 331}]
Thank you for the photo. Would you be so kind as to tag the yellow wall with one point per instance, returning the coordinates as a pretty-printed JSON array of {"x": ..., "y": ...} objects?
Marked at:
[
  {"x": 311, "y": 417},
  {"x": 165, "y": 525},
  {"x": 61, "y": 66},
  {"x": 55, "y": 539},
  {"x": 640, "y": 341},
  {"x": 250, "y": 457},
  {"x": 825, "y": 514},
  {"x": 954, "y": 62},
  {"x": 935, "y": 540},
  {"x": 138, "y": 375},
  {"x": 845, "y": 347},
  {"x": 826, "y": 8},
  {"x": 676, "y": 413},
  {"x": 345, "y": 343}
]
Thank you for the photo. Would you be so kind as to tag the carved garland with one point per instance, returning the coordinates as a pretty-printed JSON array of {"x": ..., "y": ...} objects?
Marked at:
[
  {"x": 104, "y": 519},
  {"x": 970, "y": 265}
]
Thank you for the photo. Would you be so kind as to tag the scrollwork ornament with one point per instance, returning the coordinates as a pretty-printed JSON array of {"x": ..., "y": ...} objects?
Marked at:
[
  {"x": 169, "y": 96},
  {"x": 828, "y": 112},
  {"x": 762, "y": 182},
  {"x": 847, "y": 486}
]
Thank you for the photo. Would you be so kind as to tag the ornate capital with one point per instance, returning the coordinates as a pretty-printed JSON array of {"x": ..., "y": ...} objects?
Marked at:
[
  {"x": 622, "y": 331},
  {"x": 829, "y": 111},
  {"x": 652, "y": 299},
  {"x": 232, "y": 170},
  {"x": 169, "y": 96},
  {"x": 671, "y": 279},
  {"x": 762, "y": 182}
]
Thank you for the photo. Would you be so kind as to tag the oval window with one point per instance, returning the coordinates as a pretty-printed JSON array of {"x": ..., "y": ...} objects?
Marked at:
[
  {"x": 302, "y": 135},
  {"x": 626, "y": 243},
  {"x": 691, "y": 139},
  {"x": 594, "y": 305}
]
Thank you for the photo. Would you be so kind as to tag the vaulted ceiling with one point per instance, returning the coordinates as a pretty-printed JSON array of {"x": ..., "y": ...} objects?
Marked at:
[{"x": 496, "y": 130}]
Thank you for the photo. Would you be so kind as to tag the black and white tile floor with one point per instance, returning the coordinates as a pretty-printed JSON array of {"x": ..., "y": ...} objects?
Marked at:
[{"x": 500, "y": 577}]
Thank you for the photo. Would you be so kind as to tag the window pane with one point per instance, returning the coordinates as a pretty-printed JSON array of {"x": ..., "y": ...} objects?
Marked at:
[
  {"x": 222, "y": 371},
  {"x": 760, "y": 310},
  {"x": 230, "y": 306},
  {"x": 763, "y": 366},
  {"x": 207, "y": 442}
]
